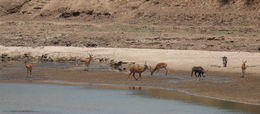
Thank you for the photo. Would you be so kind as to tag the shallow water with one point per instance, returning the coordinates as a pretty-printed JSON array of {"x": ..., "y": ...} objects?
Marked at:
[
  {"x": 6, "y": 70},
  {"x": 31, "y": 98}
]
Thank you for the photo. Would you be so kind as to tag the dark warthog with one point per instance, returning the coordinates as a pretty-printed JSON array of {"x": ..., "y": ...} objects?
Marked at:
[{"x": 199, "y": 71}]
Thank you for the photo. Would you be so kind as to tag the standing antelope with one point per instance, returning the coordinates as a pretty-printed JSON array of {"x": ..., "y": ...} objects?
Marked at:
[
  {"x": 88, "y": 61},
  {"x": 243, "y": 68},
  {"x": 224, "y": 60},
  {"x": 160, "y": 66},
  {"x": 28, "y": 67},
  {"x": 137, "y": 69}
]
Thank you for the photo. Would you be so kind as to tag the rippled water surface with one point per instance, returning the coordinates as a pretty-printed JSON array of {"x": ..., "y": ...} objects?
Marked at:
[{"x": 31, "y": 98}]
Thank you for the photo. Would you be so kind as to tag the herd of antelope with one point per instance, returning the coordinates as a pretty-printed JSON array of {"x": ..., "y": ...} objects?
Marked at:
[{"x": 198, "y": 71}]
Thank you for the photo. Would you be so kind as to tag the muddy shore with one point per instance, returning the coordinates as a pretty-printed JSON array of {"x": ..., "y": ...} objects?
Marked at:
[
  {"x": 222, "y": 83},
  {"x": 228, "y": 88}
]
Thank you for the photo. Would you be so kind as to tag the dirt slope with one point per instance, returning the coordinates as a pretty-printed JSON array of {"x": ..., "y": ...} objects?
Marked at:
[
  {"x": 222, "y": 25},
  {"x": 181, "y": 12}
]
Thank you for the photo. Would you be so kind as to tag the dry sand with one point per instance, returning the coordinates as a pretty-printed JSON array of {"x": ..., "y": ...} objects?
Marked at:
[
  {"x": 121, "y": 35},
  {"x": 178, "y": 60}
]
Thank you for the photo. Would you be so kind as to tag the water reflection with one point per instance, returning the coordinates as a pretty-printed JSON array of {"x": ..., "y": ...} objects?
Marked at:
[
  {"x": 34, "y": 98},
  {"x": 173, "y": 95}
]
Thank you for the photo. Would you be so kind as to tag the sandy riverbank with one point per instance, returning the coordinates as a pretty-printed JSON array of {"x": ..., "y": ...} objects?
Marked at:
[
  {"x": 218, "y": 87},
  {"x": 221, "y": 83},
  {"x": 178, "y": 60}
]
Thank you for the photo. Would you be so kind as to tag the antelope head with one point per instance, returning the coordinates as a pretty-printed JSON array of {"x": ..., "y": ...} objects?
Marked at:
[
  {"x": 146, "y": 66},
  {"x": 150, "y": 68},
  {"x": 90, "y": 55}
]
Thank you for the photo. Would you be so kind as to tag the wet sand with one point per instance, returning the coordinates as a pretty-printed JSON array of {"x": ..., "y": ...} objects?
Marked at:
[{"x": 228, "y": 88}]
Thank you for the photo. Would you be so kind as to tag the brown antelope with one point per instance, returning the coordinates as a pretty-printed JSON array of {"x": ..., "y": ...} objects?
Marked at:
[
  {"x": 137, "y": 69},
  {"x": 28, "y": 67},
  {"x": 243, "y": 68},
  {"x": 160, "y": 66},
  {"x": 88, "y": 61}
]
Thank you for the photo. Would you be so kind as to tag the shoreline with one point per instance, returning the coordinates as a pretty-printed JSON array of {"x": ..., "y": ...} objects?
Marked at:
[
  {"x": 115, "y": 86},
  {"x": 125, "y": 87},
  {"x": 220, "y": 83},
  {"x": 177, "y": 60}
]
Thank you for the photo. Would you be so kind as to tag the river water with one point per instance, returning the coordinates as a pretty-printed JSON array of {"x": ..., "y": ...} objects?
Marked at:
[{"x": 35, "y": 98}]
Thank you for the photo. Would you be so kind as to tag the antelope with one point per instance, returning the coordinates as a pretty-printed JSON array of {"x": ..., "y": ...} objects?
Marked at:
[
  {"x": 199, "y": 71},
  {"x": 243, "y": 68},
  {"x": 88, "y": 61},
  {"x": 160, "y": 66},
  {"x": 28, "y": 66},
  {"x": 137, "y": 69},
  {"x": 224, "y": 60}
]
